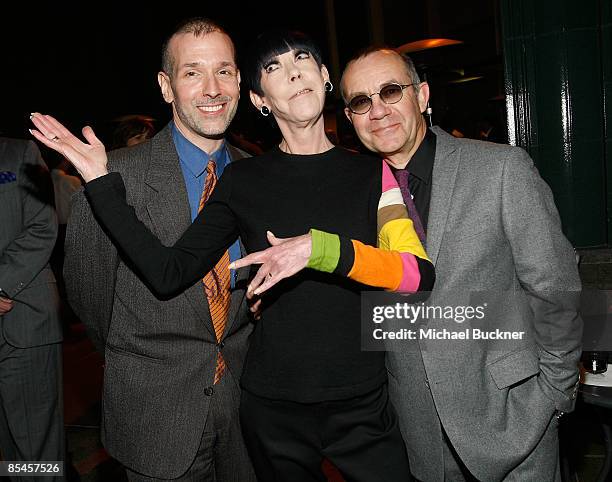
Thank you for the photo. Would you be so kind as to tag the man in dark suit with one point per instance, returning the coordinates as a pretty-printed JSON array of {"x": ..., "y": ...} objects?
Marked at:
[
  {"x": 481, "y": 410},
  {"x": 165, "y": 416},
  {"x": 31, "y": 412}
]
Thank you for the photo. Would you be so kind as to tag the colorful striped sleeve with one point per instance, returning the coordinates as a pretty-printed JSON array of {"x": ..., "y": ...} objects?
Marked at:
[{"x": 399, "y": 263}]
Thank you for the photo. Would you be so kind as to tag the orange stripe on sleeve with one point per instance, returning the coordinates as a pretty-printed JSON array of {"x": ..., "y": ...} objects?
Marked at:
[{"x": 376, "y": 267}]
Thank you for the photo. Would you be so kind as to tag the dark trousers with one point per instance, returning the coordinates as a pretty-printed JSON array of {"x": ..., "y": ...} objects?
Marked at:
[
  {"x": 222, "y": 455},
  {"x": 287, "y": 441},
  {"x": 31, "y": 408}
]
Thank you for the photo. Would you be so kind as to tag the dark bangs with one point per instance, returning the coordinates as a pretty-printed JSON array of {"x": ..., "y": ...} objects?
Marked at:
[{"x": 272, "y": 44}]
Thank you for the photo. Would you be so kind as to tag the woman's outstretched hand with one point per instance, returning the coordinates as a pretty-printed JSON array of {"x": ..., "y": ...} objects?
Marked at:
[
  {"x": 89, "y": 159},
  {"x": 283, "y": 259}
]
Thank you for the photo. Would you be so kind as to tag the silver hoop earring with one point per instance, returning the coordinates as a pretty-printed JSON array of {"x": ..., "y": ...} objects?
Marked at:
[
  {"x": 264, "y": 111},
  {"x": 328, "y": 86}
]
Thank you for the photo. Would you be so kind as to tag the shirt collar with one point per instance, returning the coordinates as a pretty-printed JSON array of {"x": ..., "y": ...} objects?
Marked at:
[
  {"x": 421, "y": 164},
  {"x": 196, "y": 159}
]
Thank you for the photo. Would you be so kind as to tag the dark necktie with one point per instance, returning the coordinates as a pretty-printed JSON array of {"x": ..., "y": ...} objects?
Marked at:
[{"x": 402, "y": 179}]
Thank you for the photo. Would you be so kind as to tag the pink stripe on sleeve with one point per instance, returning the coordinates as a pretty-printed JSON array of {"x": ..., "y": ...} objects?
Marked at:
[
  {"x": 411, "y": 277},
  {"x": 388, "y": 179}
]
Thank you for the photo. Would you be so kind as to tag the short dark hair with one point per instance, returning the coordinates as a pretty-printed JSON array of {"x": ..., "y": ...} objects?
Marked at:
[
  {"x": 197, "y": 26},
  {"x": 272, "y": 44},
  {"x": 408, "y": 64}
]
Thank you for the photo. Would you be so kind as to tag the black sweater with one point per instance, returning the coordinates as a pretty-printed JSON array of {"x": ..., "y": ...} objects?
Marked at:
[{"x": 306, "y": 347}]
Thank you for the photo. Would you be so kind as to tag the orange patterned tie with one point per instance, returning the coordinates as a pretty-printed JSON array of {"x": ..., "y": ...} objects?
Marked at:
[{"x": 217, "y": 280}]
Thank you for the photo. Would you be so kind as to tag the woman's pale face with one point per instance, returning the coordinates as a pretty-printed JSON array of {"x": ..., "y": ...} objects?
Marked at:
[{"x": 294, "y": 87}]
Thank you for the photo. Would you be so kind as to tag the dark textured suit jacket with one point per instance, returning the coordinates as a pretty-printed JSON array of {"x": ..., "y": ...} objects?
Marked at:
[
  {"x": 28, "y": 229},
  {"x": 160, "y": 355}
]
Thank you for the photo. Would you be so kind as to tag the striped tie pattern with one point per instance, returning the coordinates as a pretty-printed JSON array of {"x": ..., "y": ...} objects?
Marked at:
[{"x": 217, "y": 280}]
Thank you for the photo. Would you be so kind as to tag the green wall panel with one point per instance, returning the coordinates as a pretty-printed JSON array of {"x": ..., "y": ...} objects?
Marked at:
[{"x": 558, "y": 67}]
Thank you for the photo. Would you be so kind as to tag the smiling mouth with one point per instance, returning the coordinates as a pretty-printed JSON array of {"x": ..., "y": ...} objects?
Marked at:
[
  {"x": 301, "y": 92},
  {"x": 381, "y": 130},
  {"x": 211, "y": 108}
]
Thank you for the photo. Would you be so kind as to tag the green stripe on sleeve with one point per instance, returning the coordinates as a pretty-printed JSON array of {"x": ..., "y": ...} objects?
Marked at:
[{"x": 325, "y": 251}]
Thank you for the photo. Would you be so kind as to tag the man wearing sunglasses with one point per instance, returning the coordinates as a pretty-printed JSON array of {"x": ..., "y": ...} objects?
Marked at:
[{"x": 488, "y": 222}]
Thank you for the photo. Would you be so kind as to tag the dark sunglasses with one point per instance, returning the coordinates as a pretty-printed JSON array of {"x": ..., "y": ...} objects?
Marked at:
[{"x": 389, "y": 94}]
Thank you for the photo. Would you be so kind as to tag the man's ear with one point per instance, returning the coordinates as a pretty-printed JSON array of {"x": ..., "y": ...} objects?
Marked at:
[
  {"x": 166, "y": 87},
  {"x": 256, "y": 99},
  {"x": 423, "y": 96},
  {"x": 348, "y": 114}
]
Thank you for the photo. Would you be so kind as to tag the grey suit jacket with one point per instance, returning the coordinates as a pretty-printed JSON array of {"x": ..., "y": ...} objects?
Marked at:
[
  {"x": 28, "y": 230},
  {"x": 493, "y": 226},
  {"x": 160, "y": 355}
]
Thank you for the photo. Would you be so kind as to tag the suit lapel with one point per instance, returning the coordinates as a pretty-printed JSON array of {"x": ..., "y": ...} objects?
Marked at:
[
  {"x": 443, "y": 182},
  {"x": 168, "y": 207},
  {"x": 167, "y": 201}
]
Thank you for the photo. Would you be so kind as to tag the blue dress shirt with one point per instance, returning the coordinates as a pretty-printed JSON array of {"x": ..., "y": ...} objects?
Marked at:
[{"x": 193, "y": 162}]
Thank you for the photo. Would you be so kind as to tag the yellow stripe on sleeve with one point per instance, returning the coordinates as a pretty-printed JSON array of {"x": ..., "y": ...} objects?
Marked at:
[{"x": 399, "y": 235}]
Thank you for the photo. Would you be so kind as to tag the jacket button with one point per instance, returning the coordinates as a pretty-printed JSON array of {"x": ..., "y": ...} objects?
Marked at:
[
  {"x": 221, "y": 344},
  {"x": 208, "y": 391},
  {"x": 427, "y": 383}
]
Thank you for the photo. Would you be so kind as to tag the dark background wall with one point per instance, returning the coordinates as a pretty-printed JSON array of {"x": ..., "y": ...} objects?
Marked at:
[
  {"x": 89, "y": 65},
  {"x": 92, "y": 66}
]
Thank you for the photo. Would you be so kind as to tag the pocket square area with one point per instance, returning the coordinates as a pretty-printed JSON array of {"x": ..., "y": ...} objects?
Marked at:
[{"x": 7, "y": 176}]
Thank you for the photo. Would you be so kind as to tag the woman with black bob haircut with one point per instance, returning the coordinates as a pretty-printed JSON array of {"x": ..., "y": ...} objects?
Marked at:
[
  {"x": 270, "y": 45},
  {"x": 309, "y": 391},
  {"x": 267, "y": 47}
]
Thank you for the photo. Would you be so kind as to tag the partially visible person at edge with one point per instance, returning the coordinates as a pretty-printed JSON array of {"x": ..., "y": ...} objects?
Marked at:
[
  {"x": 476, "y": 412},
  {"x": 308, "y": 390},
  {"x": 31, "y": 402},
  {"x": 170, "y": 403}
]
